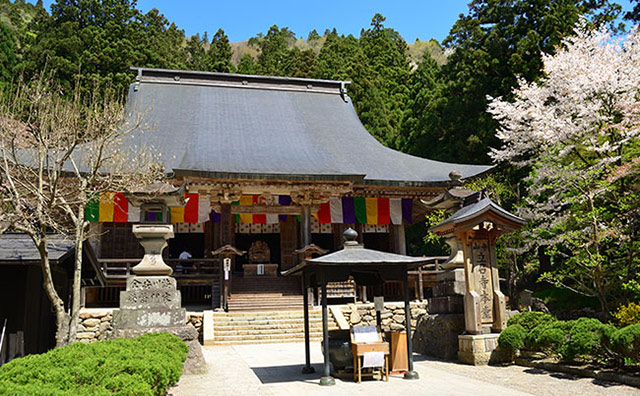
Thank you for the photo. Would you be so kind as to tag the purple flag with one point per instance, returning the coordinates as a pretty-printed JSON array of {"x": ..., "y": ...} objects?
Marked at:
[
  {"x": 215, "y": 217},
  {"x": 348, "y": 211},
  {"x": 283, "y": 200},
  {"x": 407, "y": 209}
]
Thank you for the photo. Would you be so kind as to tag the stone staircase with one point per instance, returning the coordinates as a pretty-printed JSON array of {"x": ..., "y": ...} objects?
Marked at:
[
  {"x": 261, "y": 327},
  {"x": 265, "y": 294}
]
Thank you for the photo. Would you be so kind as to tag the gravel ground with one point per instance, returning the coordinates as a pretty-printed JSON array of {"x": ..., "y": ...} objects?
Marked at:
[{"x": 274, "y": 369}]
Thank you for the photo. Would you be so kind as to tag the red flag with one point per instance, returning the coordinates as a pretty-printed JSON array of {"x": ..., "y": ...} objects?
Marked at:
[
  {"x": 383, "y": 211},
  {"x": 259, "y": 218},
  {"x": 120, "y": 208},
  {"x": 324, "y": 214},
  {"x": 191, "y": 208}
]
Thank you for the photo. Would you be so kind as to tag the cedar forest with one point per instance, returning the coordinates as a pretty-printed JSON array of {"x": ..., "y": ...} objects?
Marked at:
[{"x": 427, "y": 99}]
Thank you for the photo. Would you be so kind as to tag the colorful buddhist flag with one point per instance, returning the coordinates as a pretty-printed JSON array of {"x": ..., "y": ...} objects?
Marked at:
[
  {"x": 383, "y": 211},
  {"x": 191, "y": 208},
  {"x": 258, "y": 218},
  {"x": 407, "y": 210},
  {"x": 92, "y": 209},
  {"x": 348, "y": 210},
  {"x": 360, "y": 209},
  {"x": 324, "y": 213},
  {"x": 177, "y": 214},
  {"x": 371, "y": 205},
  {"x": 246, "y": 200},
  {"x": 395, "y": 210},
  {"x": 120, "y": 208},
  {"x": 106, "y": 207},
  {"x": 335, "y": 207}
]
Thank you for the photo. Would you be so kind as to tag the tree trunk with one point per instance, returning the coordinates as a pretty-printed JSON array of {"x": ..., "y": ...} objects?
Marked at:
[
  {"x": 77, "y": 276},
  {"x": 62, "y": 318}
]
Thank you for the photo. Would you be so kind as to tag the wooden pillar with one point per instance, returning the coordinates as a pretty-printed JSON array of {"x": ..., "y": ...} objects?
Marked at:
[
  {"x": 306, "y": 225},
  {"x": 227, "y": 234},
  {"x": 399, "y": 239},
  {"x": 410, "y": 374},
  {"x": 326, "y": 378},
  {"x": 307, "y": 369}
]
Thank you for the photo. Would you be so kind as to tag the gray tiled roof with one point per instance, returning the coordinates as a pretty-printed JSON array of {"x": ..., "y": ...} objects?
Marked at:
[
  {"x": 478, "y": 208},
  {"x": 222, "y": 125},
  {"x": 20, "y": 247}
]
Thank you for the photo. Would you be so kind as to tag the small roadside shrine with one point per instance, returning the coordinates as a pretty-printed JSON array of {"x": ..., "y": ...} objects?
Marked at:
[
  {"x": 367, "y": 267},
  {"x": 477, "y": 226}
]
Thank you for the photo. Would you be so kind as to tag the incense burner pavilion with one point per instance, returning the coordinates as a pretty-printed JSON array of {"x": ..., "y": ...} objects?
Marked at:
[{"x": 269, "y": 165}]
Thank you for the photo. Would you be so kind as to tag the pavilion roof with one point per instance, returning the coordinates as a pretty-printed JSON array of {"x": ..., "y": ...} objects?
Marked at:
[{"x": 257, "y": 127}]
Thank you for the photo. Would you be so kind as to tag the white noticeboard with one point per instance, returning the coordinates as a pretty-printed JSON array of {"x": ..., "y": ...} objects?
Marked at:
[
  {"x": 226, "y": 265},
  {"x": 365, "y": 334}
]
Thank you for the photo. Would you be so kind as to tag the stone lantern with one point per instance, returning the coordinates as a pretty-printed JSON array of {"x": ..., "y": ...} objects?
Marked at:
[
  {"x": 151, "y": 301},
  {"x": 476, "y": 226}
]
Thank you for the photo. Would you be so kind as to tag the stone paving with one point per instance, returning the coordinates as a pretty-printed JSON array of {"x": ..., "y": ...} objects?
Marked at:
[{"x": 274, "y": 369}]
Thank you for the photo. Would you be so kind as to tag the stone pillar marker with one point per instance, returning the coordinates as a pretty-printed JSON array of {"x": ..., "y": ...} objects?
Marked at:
[
  {"x": 151, "y": 301},
  {"x": 476, "y": 226}
]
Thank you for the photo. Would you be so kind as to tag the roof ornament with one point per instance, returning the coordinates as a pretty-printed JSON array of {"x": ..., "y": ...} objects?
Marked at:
[
  {"x": 350, "y": 236},
  {"x": 455, "y": 177},
  {"x": 343, "y": 92},
  {"x": 136, "y": 86}
]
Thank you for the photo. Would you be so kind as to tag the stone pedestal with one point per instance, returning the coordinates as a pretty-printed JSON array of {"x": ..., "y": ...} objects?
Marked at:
[
  {"x": 448, "y": 292},
  {"x": 153, "y": 304},
  {"x": 151, "y": 301},
  {"x": 481, "y": 349}
]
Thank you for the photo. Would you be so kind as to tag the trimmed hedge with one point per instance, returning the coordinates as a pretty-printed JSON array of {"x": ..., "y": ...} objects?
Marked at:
[
  {"x": 142, "y": 366},
  {"x": 582, "y": 339}
]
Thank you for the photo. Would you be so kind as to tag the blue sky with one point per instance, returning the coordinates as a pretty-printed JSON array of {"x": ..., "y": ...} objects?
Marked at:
[{"x": 423, "y": 19}]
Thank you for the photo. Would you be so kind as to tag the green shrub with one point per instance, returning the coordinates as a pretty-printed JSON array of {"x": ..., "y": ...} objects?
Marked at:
[
  {"x": 548, "y": 337},
  {"x": 142, "y": 366},
  {"x": 626, "y": 342},
  {"x": 529, "y": 320},
  {"x": 587, "y": 338},
  {"x": 628, "y": 314},
  {"x": 512, "y": 338}
]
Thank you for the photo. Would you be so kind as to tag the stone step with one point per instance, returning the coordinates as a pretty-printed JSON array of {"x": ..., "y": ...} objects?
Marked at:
[
  {"x": 264, "y": 332},
  {"x": 272, "y": 313},
  {"x": 256, "y": 337},
  {"x": 245, "y": 342},
  {"x": 285, "y": 324}
]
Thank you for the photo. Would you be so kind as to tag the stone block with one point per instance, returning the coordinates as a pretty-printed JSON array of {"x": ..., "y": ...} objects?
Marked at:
[
  {"x": 150, "y": 298},
  {"x": 481, "y": 349},
  {"x": 456, "y": 275},
  {"x": 437, "y": 335},
  {"x": 449, "y": 288},
  {"x": 398, "y": 318},
  {"x": 151, "y": 282},
  {"x": 446, "y": 305},
  {"x": 146, "y": 318},
  {"x": 91, "y": 322}
]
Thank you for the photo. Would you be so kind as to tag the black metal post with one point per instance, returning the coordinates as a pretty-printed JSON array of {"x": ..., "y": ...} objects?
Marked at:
[
  {"x": 410, "y": 374},
  {"x": 307, "y": 369},
  {"x": 326, "y": 378}
]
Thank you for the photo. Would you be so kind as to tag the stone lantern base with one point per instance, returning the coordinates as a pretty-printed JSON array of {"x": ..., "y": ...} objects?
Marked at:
[
  {"x": 153, "y": 304},
  {"x": 481, "y": 349}
]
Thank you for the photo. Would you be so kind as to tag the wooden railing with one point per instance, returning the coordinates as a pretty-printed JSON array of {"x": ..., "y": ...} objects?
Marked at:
[{"x": 189, "y": 268}]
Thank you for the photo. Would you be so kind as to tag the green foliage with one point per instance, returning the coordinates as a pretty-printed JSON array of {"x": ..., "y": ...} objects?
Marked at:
[
  {"x": 141, "y": 366},
  {"x": 512, "y": 337},
  {"x": 219, "y": 54},
  {"x": 549, "y": 337},
  {"x": 628, "y": 314},
  {"x": 586, "y": 337},
  {"x": 626, "y": 342},
  {"x": 8, "y": 57},
  {"x": 529, "y": 320},
  {"x": 493, "y": 45}
]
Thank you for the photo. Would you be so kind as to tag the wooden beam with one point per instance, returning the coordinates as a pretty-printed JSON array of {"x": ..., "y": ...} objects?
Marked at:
[{"x": 292, "y": 210}]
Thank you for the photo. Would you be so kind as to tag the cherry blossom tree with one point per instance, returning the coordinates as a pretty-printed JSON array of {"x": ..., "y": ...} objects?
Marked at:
[{"x": 578, "y": 132}]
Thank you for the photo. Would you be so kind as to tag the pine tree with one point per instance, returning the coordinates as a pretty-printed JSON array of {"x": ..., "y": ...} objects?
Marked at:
[
  {"x": 219, "y": 53},
  {"x": 196, "y": 53},
  {"x": 8, "y": 57}
]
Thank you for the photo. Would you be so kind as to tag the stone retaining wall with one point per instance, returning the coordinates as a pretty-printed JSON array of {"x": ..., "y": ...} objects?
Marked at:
[
  {"x": 95, "y": 324},
  {"x": 392, "y": 315}
]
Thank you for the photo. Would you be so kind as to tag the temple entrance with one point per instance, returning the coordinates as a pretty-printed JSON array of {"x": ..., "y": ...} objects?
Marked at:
[{"x": 245, "y": 242}]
